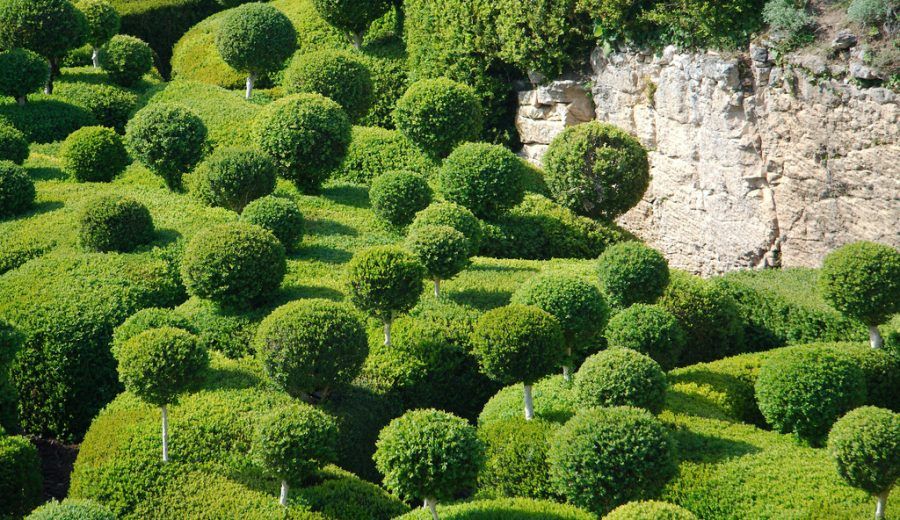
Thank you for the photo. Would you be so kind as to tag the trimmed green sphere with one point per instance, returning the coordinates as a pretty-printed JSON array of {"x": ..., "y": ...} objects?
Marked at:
[
  {"x": 256, "y": 38},
  {"x": 72, "y": 509},
  {"x": 439, "y": 114},
  {"x": 279, "y": 215},
  {"x": 353, "y": 16},
  {"x": 631, "y": 272},
  {"x": 621, "y": 377},
  {"x": 48, "y": 27},
  {"x": 337, "y": 75},
  {"x": 486, "y": 178},
  {"x": 862, "y": 280},
  {"x": 648, "y": 329},
  {"x": 126, "y": 59},
  {"x": 20, "y": 476},
  {"x": 374, "y": 150},
  {"x": 453, "y": 215},
  {"x": 115, "y": 223},
  {"x": 168, "y": 139},
  {"x": 232, "y": 177},
  {"x": 146, "y": 319},
  {"x": 442, "y": 250},
  {"x": 865, "y": 446},
  {"x": 650, "y": 510},
  {"x": 103, "y": 20},
  {"x": 22, "y": 72},
  {"x": 396, "y": 197},
  {"x": 385, "y": 281},
  {"x": 93, "y": 154},
  {"x": 13, "y": 144},
  {"x": 16, "y": 189},
  {"x": 294, "y": 441}
]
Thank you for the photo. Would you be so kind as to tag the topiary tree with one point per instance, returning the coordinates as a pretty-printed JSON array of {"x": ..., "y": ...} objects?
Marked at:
[
  {"x": 22, "y": 72},
  {"x": 804, "y": 391},
  {"x": 621, "y": 377},
  {"x": 307, "y": 135},
  {"x": 597, "y": 170},
  {"x": 48, "y": 27},
  {"x": 293, "y": 442},
  {"x": 93, "y": 154},
  {"x": 103, "y": 22},
  {"x": 234, "y": 264},
  {"x": 352, "y": 16},
  {"x": 862, "y": 281},
  {"x": 865, "y": 446},
  {"x": 438, "y": 114},
  {"x": 72, "y": 509},
  {"x": 13, "y": 144},
  {"x": 449, "y": 214},
  {"x": 310, "y": 347},
  {"x": 337, "y": 75},
  {"x": 279, "y": 215},
  {"x": 396, "y": 197},
  {"x": 256, "y": 39},
  {"x": 16, "y": 189},
  {"x": 605, "y": 457},
  {"x": 631, "y": 272},
  {"x": 385, "y": 281},
  {"x": 649, "y": 510},
  {"x": 486, "y": 178},
  {"x": 168, "y": 139},
  {"x": 442, "y": 250},
  {"x": 159, "y": 364},
  {"x": 232, "y": 177},
  {"x": 648, "y": 329},
  {"x": 428, "y": 454},
  {"x": 577, "y": 305},
  {"x": 115, "y": 223},
  {"x": 146, "y": 319},
  {"x": 518, "y": 344},
  {"x": 126, "y": 59}
]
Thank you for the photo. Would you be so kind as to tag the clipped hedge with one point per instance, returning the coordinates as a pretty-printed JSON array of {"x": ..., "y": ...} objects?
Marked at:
[
  {"x": 115, "y": 223},
  {"x": 111, "y": 105},
  {"x": 45, "y": 119},
  {"x": 93, "y": 154},
  {"x": 279, "y": 215},
  {"x": 20, "y": 476},
  {"x": 515, "y": 462},
  {"x": 554, "y": 401},
  {"x": 504, "y": 509},
  {"x": 374, "y": 151}
]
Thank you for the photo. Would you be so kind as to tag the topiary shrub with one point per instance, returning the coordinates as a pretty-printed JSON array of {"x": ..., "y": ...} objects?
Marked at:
[
  {"x": 505, "y": 508},
  {"x": 232, "y": 177},
  {"x": 515, "y": 462},
  {"x": 649, "y": 510},
  {"x": 631, "y": 272},
  {"x": 865, "y": 446},
  {"x": 374, "y": 151},
  {"x": 597, "y": 170},
  {"x": 881, "y": 370},
  {"x": 115, "y": 223},
  {"x": 396, "y": 197},
  {"x": 256, "y": 39},
  {"x": 804, "y": 391},
  {"x": 126, "y": 59},
  {"x": 146, "y": 319},
  {"x": 110, "y": 105},
  {"x": 605, "y": 457},
  {"x": 103, "y": 23},
  {"x": 352, "y": 498},
  {"x": 22, "y": 72},
  {"x": 168, "y": 139},
  {"x": 621, "y": 377},
  {"x": 650, "y": 330},
  {"x": 428, "y": 454},
  {"x": 442, "y": 251},
  {"x": 13, "y": 145},
  {"x": 235, "y": 265},
  {"x": 224, "y": 329},
  {"x": 311, "y": 347},
  {"x": 452, "y": 215},
  {"x": 16, "y": 189},
  {"x": 862, "y": 280},
  {"x": 45, "y": 119},
  {"x": 93, "y": 154},
  {"x": 72, "y": 509},
  {"x": 307, "y": 135},
  {"x": 280, "y": 216},
  {"x": 352, "y": 16},
  {"x": 337, "y": 75},
  {"x": 438, "y": 114},
  {"x": 488, "y": 179},
  {"x": 20, "y": 476}
]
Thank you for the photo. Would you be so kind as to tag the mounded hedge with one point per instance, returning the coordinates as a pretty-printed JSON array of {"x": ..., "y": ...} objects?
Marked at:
[
  {"x": 515, "y": 462},
  {"x": 126, "y": 59},
  {"x": 554, "y": 401},
  {"x": 865, "y": 446},
  {"x": 451, "y": 215},
  {"x": 620, "y": 377},
  {"x": 505, "y": 508},
  {"x": 168, "y": 139},
  {"x": 21, "y": 483},
  {"x": 22, "y": 72},
  {"x": 232, "y": 177},
  {"x": 631, "y": 272},
  {"x": 650, "y": 510},
  {"x": 71, "y": 509},
  {"x": 13, "y": 145},
  {"x": 93, "y": 154},
  {"x": 110, "y": 105},
  {"x": 374, "y": 151},
  {"x": 45, "y": 119},
  {"x": 115, "y": 223},
  {"x": 397, "y": 196}
]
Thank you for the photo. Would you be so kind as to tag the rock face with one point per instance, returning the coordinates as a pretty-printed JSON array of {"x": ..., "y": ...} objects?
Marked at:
[{"x": 753, "y": 164}]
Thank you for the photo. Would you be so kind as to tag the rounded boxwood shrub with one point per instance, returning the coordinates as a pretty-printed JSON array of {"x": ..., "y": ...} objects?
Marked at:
[
  {"x": 72, "y": 509},
  {"x": 605, "y": 457},
  {"x": 881, "y": 369},
  {"x": 621, "y": 377},
  {"x": 505, "y": 508},
  {"x": 597, "y": 170},
  {"x": 352, "y": 16},
  {"x": 385, "y": 281},
  {"x": 438, "y": 114},
  {"x": 396, "y": 197},
  {"x": 168, "y": 139},
  {"x": 648, "y": 329},
  {"x": 442, "y": 251},
  {"x": 804, "y": 391},
  {"x": 453, "y": 215},
  {"x": 16, "y": 189},
  {"x": 631, "y": 272},
  {"x": 307, "y": 135},
  {"x": 13, "y": 145},
  {"x": 20, "y": 476},
  {"x": 93, "y": 154},
  {"x": 233, "y": 264},
  {"x": 311, "y": 347},
  {"x": 146, "y": 319},
  {"x": 232, "y": 177},
  {"x": 22, "y": 72},
  {"x": 486, "y": 178},
  {"x": 115, "y": 223},
  {"x": 110, "y": 105},
  {"x": 103, "y": 22},
  {"x": 126, "y": 59},
  {"x": 515, "y": 463},
  {"x": 374, "y": 151},
  {"x": 337, "y": 75},
  {"x": 649, "y": 510},
  {"x": 279, "y": 215}
]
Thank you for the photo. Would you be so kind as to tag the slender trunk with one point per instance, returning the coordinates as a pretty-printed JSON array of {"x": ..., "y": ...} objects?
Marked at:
[
  {"x": 875, "y": 339},
  {"x": 881, "y": 505},
  {"x": 567, "y": 372},
  {"x": 357, "y": 40},
  {"x": 437, "y": 288},
  {"x": 95, "y": 57},
  {"x": 431, "y": 505},
  {"x": 250, "y": 80},
  {"x": 165, "y": 433},
  {"x": 387, "y": 333},
  {"x": 529, "y": 404},
  {"x": 48, "y": 89},
  {"x": 284, "y": 492},
  {"x": 22, "y": 100}
]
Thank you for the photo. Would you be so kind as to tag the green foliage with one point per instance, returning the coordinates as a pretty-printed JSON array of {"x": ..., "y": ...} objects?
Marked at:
[
  {"x": 45, "y": 119},
  {"x": 787, "y": 16},
  {"x": 384, "y": 281},
  {"x": 115, "y": 223},
  {"x": 869, "y": 13},
  {"x": 158, "y": 364},
  {"x": 146, "y": 319},
  {"x": 352, "y": 499},
  {"x": 631, "y": 272},
  {"x": 16, "y": 189},
  {"x": 235, "y": 265},
  {"x": 597, "y": 170},
  {"x": 862, "y": 280},
  {"x": 428, "y": 454},
  {"x": 168, "y": 139},
  {"x": 620, "y": 377},
  {"x": 487, "y": 179},
  {"x": 20, "y": 476},
  {"x": 126, "y": 59},
  {"x": 340, "y": 76},
  {"x": 397, "y": 196},
  {"x": 22, "y": 72},
  {"x": 352, "y": 16},
  {"x": 93, "y": 154},
  {"x": 648, "y": 329},
  {"x": 280, "y": 216},
  {"x": 307, "y": 135},
  {"x": 256, "y": 38},
  {"x": 374, "y": 151},
  {"x": 227, "y": 330},
  {"x": 71, "y": 509},
  {"x": 111, "y": 105},
  {"x": 515, "y": 462},
  {"x": 439, "y": 114},
  {"x": 605, "y": 457},
  {"x": 231, "y": 177},
  {"x": 518, "y": 344},
  {"x": 47, "y": 27},
  {"x": 294, "y": 441},
  {"x": 504, "y": 509},
  {"x": 649, "y": 510},
  {"x": 865, "y": 446},
  {"x": 103, "y": 21},
  {"x": 452, "y": 215},
  {"x": 723, "y": 24},
  {"x": 442, "y": 250},
  {"x": 311, "y": 347}
]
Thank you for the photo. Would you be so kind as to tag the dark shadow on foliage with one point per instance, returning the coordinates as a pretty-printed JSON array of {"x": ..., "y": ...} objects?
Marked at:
[
  {"x": 348, "y": 195},
  {"x": 481, "y": 299},
  {"x": 326, "y": 254},
  {"x": 698, "y": 447},
  {"x": 326, "y": 227},
  {"x": 37, "y": 209},
  {"x": 46, "y": 173},
  {"x": 311, "y": 291}
]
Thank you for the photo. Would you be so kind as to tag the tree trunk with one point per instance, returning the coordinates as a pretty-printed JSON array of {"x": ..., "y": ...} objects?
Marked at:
[
  {"x": 529, "y": 404},
  {"x": 431, "y": 505},
  {"x": 881, "y": 505},
  {"x": 95, "y": 57},
  {"x": 437, "y": 288},
  {"x": 387, "y": 333},
  {"x": 567, "y": 372},
  {"x": 284, "y": 492},
  {"x": 250, "y": 80},
  {"x": 54, "y": 70},
  {"x": 165, "y": 433},
  {"x": 875, "y": 339},
  {"x": 357, "y": 40},
  {"x": 22, "y": 100}
]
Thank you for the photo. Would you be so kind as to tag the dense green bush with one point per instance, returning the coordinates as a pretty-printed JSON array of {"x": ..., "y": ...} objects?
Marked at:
[
  {"x": 353, "y": 499},
  {"x": 45, "y": 119},
  {"x": 232, "y": 177},
  {"x": 168, "y": 139},
  {"x": 869, "y": 13},
  {"x": 110, "y": 105},
  {"x": 146, "y": 319},
  {"x": 72, "y": 509},
  {"x": 93, "y": 154},
  {"x": 515, "y": 462},
  {"x": 649, "y": 510},
  {"x": 632, "y": 272},
  {"x": 442, "y": 251},
  {"x": 648, "y": 329},
  {"x": 724, "y": 24},
  {"x": 620, "y": 377},
  {"x": 451, "y": 215},
  {"x": 787, "y": 16},
  {"x": 103, "y": 23},
  {"x": 337, "y": 75},
  {"x": 16, "y": 189},
  {"x": 115, "y": 223},
  {"x": 487, "y": 179},
  {"x": 126, "y": 59},
  {"x": 13, "y": 145},
  {"x": 306, "y": 134},
  {"x": 506, "y": 509},
  {"x": 235, "y": 265},
  {"x": 439, "y": 114},
  {"x": 226, "y": 330},
  {"x": 384, "y": 282},
  {"x": 22, "y": 72},
  {"x": 398, "y": 195},
  {"x": 20, "y": 476},
  {"x": 352, "y": 16},
  {"x": 374, "y": 151},
  {"x": 605, "y": 457},
  {"x": 279, "y": 215}
]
